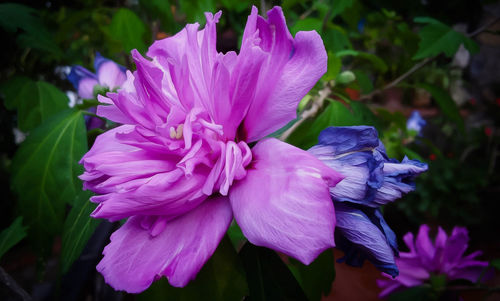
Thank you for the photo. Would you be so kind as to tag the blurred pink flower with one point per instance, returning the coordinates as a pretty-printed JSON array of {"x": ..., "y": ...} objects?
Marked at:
[
  {"x": 180, "y": 167},
  {"x": 444, "y": 256}
]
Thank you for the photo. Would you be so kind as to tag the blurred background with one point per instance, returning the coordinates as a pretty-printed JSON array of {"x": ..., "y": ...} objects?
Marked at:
[{"x": 387, "y": 60}]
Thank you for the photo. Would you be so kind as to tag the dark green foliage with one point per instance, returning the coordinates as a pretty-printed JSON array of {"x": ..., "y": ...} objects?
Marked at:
[
  {"x": 268, "y": 277},
  {"x": 33, "y": 33},
  {"x": 45, "y": 171},
  {"x": 129, "y": 30},
  {"x": 445, "y": 103},
  {"x": 12, "y": 235},
  {"x": 35, "y": 102},
  {"x": 315, "y": 279},
  {"x": 436, "y": 38},
  {"x": 77, "y": 229}
]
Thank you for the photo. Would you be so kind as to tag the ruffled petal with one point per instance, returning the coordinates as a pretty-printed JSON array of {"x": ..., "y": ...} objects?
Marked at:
[
  {"x": 292, "y": 67},
  {"x": 135, "y": 258},
  {"x": 145, "y": 178},
  {"x": 425, "y": 248},
  {"x": 362, "y": 171},
  {"x": 283, "y": 203},
  {"x": 371, "y": 178},
  {"x": 456, "y": 245},
  {"x": 361, "y": 239},
  {"x": 349, "y": 138}
]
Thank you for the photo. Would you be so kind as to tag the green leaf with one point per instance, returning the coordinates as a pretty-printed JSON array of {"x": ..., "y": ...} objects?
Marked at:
[
  {"x": 236, "y": 236},
  {"x": 334, "y": 67},
  {"x": 195, "y": 10},
  {"x": 238, "y": 6},
  {"x": 45, "y": 173},
  {"x": 365, "y": 83},
  {"x": 221, "y": 278},
  {"x": 377, "y": 62},
  {"x": 162, "y": 10},
  {"x": 438, "y": 282},
  {"x": 316, "y": 279},
  {"x": 412, "y": 155},
  {"x": 35, "y": 101},
  {"x": 35, "y": 34},
  {"x": 268, "y": 277},
  {"x": 335, "y": 39},
  {"x": 306, "y": 25},
  {"x": 77, "y": 229},
  {"x": 12, "y": 235},
  {"x": 445, "y": 103},
  {"x": 128, "y": 29},
  {"x": 17, "y": 16},
  {"x": 335, "y": 114},
  {"x": 42, "y": 41},
  {"x": 495, "y": 263},
  {"x": 436, "y": 38},
  {"x": 339, "y": 6}
]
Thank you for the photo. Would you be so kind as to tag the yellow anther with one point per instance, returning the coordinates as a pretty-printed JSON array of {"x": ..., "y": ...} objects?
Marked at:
[
  {"x": 176, "y": 134},
  {"x": 172, "y": 132},
  {"x": 179, "y": 131}
]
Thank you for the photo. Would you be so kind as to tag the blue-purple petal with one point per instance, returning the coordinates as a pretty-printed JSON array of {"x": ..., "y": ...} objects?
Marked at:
[
  {"x": 78, "y": 73},
  {"x": 371, "y": 177},
  {"x": 349, "y": 138},
  {"x": 361, "y": 239}
]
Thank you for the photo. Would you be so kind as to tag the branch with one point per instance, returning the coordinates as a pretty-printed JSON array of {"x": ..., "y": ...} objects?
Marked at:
[
  {"x": 483, "y": 28},
  {"x": 311, "y": 112},
  {"x": 420, "y": 64},
  {"x": 401, "y": 78},
  {"x": 11, "y": 284},
  {"x": 263, "y": 8}
]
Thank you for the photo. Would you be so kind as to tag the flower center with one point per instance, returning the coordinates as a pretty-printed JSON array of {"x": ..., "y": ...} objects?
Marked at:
[{"x": 176, "y": 133}]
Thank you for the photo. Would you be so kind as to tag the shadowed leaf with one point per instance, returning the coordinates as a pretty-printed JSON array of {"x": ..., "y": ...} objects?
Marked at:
[
  {"x": 77, "y": 229},
  {"x": 12, "y": 235},
  {"x": 268, "y": 277},
  {"x": 45, "y": 170}
]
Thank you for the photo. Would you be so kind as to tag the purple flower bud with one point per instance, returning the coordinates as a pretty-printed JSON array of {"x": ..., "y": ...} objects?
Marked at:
[{"x": 371, "y": 179}]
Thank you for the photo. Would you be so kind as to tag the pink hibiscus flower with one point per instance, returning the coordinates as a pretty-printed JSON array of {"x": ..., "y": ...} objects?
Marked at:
[{"x": 180, "y": 167}]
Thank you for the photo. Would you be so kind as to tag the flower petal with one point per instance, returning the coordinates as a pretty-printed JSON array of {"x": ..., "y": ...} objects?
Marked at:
[
  {"x": 344, "y": 139},
  {"x": 109, "y": 73},
  {"x": 361, "y": 239},
  {"x": 135, "y": 258},
  {"x": 146, "y": 179},
  {"x": 292, "y": 68},
  {"x": 425, "y": 247},
  {"x": 86, "y": 88},
  {"x": 283, "y": 203},
  {"x": 83, "y": 80}
]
